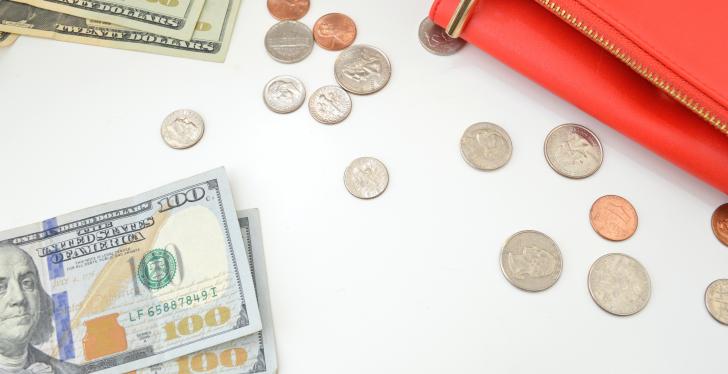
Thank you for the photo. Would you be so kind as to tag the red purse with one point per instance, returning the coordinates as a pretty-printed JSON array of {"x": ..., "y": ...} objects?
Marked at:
[{"x": 653, "y": 71}]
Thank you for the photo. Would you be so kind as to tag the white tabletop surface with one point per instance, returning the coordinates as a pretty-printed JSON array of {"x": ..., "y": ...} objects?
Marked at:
[{"x": 405, "y": 283}]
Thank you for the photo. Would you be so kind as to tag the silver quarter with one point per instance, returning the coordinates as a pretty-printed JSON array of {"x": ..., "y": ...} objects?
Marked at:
[
  {"x": 716, "y": 300},
  {"x": 366, "y": 178},
  {"x": 436, "y": 41},
  {"x": 182, "y": 129},
  {"x": 284, "y": 94},
  {"x": 619, "y": 284},
  {"x": 289, "y": 41},
  {"x": 362, "y": 69},
  {"x": 573, "y": 151},
  {"x": 531, "y": 261},
  {"x": 329, "y": 105},
  {"x": 486, "y": 146}
]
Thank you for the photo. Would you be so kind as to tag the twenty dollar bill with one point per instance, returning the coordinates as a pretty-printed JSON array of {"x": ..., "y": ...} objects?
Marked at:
[
  {"x": 127, "y": 284},
  {"x": 210, "y": 40},
  {"x": 253, "y": 354},
  {"x": 173, "y": 18},
  {"x": 7, "y": 39}
]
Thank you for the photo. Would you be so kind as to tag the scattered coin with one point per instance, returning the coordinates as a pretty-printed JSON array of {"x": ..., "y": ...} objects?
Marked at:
[
  {"x": 284, "y": 94},
  {"x": 486, "y": 146},
  {"x": 366, "y": 178},
  {"x": 613, "y": 218},
  {"x": 716, "y": 300},
  {"x": 435, "y": 39},
  {"x": 573, "y": 151},
  {"x": 289, "y": 41},
  {"x": 362, "y": 69},
  {"x": 619, "y": 284},
  {"x": 334, "y": 31},
  {"x": 531, "y": 261},
  {"x": 182, "y": 129},
  {"x": 720, "y": 223},
  {"x": 329, "y": 105},
  {"x": 288, "y": 9}
]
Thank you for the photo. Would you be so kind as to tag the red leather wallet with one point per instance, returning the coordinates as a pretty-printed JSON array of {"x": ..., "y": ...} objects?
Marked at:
[{"x": 653, "y": 71}]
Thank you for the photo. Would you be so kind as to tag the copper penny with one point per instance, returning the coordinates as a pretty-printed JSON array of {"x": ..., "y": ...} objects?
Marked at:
[
  {"x": 720, "y": 223},
  {"x": 334, "y": 31},
  {"x": 288, "y": 9},
  {"x": 613, "y": 218}
]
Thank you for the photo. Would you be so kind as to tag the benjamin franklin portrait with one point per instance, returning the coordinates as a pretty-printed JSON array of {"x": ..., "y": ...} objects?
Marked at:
[{"x": 25, "y": 317}]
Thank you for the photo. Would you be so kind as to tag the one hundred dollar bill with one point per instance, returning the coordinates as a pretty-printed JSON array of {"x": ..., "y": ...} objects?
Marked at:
[
  {"x": 127, "y": 284},
  {"x": 253, "y": 354},
  {"x": 210, "y": 41},
  {"x": 172, "y": 18},
  {"x": 7, "y": 39}
]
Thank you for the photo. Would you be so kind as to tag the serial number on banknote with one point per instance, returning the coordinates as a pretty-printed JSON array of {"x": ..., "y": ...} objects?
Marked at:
[{"x": 173, "y": 305}]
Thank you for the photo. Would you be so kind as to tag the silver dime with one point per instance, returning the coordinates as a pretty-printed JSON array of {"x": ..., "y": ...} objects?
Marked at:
[
  {"x": 716, "y": 300},
  {"x": 362, "y": 69},
  {"x": 329, "y": 105},
  {"x": 573, "y": 151},
  {"x": 366, "y": 178},
  {"x": 436, "y": 41},
  {"x": 289, "y": 41},
  {"x": 284, "y": 94},
  {"x": 182, "y": 129},
  {"x": 486, "y": 146},
  {"x": 531, "y": 261},
  {"x": 619, "y": 284}
]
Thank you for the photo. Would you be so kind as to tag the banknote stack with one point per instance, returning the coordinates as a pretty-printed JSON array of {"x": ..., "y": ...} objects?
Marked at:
[
  {"x": 199, "y": 29},
  {"x": 169, "y": 281}
]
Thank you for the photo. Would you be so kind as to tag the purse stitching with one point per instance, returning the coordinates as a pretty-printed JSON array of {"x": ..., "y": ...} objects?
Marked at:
[{"x": 651, "y": 54}]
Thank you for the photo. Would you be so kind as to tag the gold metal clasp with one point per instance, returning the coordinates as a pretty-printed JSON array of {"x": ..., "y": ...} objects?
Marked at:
[{"x": 460, "y": 17}]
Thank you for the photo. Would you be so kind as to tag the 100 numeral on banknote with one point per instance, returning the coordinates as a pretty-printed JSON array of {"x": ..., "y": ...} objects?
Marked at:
[
  {"x": 252, "y": 354},
  {"x": 127, "y": 284}
]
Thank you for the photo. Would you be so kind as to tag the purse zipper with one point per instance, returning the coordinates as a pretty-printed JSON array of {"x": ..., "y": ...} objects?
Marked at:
[{"x": 641, "y": 69}]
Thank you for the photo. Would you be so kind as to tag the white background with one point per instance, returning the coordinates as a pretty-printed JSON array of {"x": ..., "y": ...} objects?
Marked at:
[{"x": 408, "y": 282}]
